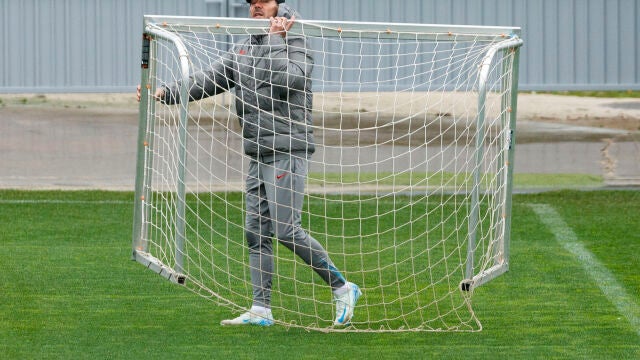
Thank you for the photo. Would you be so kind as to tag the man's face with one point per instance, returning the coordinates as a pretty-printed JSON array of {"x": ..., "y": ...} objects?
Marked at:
[{"x": 263, "y": 9}]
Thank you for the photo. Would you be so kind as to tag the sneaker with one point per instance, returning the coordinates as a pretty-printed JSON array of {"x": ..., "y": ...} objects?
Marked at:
[
  {"x": 345, "y": 304},
  {"x": 251, "y": 318}
]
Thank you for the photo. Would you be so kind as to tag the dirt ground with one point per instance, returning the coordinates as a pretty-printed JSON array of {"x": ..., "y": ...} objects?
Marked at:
[
  {"x": 622, "y": 114},
  {"x": 88, "y": 140},
  {"x": 612, "y": 113}
]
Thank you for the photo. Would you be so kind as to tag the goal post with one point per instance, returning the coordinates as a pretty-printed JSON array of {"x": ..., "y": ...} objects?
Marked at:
[
  {"x": 409, "y": 189},
  {"x": 508, "y": 104}
]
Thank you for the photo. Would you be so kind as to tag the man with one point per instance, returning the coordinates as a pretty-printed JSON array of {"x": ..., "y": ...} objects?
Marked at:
[{"x": 270, "y": 74}]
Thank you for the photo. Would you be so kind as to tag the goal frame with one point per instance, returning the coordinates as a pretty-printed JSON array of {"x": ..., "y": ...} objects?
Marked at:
[{"x": 154, "y": 27}]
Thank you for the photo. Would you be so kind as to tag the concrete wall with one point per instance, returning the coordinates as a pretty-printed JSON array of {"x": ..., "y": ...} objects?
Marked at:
[{"x": 94, "y": 45}]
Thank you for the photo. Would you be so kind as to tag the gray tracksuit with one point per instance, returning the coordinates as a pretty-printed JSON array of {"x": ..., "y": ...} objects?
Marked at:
[{"x": 271, "y": 79}]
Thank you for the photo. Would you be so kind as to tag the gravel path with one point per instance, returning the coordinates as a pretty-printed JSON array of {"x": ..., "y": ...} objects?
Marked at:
[{"x": 88, "y": 141}]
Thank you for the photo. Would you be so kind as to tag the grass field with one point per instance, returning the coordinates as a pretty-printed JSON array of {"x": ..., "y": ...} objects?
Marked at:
[{"x": 69, "y": 290}]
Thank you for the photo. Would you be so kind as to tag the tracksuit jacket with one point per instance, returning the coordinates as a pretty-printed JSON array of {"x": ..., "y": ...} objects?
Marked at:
[{"x": 271, "y": 79}]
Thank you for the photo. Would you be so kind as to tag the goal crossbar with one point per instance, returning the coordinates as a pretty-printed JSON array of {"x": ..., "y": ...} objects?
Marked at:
[{"x": 345, "y": 29}]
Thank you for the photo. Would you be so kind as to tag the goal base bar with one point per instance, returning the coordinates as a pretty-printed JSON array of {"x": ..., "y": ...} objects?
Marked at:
[
  {"x": 155, "y": 265},
  {"x": 484, "y": 277}
]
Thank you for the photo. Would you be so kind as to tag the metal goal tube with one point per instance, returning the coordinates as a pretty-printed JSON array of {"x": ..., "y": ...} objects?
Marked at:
[
  {"x": 514, "y": 42},
  {"x": 144, "y": 156},
  {"x": 343, "y": 29},
  {"x": 138, "y": 232},
  {"x": 142, "y": 175},
  {"x": 511, "y": 152}
]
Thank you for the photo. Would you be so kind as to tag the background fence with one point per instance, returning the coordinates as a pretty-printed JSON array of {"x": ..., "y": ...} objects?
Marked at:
[{"x": 94, "y": 45}]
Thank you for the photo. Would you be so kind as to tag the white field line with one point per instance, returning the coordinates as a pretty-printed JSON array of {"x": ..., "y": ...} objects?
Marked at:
[
  {"x": 605, "y": 280},
  {"x": 53, "y": 201}
]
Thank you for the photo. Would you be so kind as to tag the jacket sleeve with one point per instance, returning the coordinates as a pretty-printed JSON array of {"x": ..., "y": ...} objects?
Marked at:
[
  {"x": 289, "y": 61},
  {"x": 202, "y": 84}
]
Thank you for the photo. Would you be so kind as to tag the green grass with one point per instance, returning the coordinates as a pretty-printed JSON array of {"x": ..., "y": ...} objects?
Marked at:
[
  {"x": 454, "y": 181},
  {"x": 360, "y": 247},
  {"x": 557, "y": 181},
  {"x": 69, "y": 291}
]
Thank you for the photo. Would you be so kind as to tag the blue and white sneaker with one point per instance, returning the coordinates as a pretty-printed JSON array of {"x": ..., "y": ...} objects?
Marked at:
[
  {"x": 345, "y": 303},
  {"x": 251, "y": 318}
]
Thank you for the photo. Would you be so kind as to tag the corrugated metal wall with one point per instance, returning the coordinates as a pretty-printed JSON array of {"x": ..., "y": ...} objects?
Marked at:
[{"x": 94, "y": 45}]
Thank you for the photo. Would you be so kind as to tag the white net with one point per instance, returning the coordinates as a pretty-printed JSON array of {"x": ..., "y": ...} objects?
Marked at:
[{"x": 407, "y": 189}]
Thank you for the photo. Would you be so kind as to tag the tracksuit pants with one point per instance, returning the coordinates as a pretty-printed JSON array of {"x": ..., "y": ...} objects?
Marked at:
[{"x": 274, "y": 199}]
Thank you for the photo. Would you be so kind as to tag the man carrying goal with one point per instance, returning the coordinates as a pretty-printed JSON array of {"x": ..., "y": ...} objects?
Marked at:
[{"x": 270, "y": 74}]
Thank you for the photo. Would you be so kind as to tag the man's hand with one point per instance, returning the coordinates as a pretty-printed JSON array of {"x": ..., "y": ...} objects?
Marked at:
[
  {"x": 159, "y": 94},
  {"x": 280, "y": 25}
]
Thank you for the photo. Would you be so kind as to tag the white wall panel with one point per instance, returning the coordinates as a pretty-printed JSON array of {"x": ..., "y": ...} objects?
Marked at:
[{"x": 94, "y": 45}]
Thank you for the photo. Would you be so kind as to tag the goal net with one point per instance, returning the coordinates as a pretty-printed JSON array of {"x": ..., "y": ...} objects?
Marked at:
[{"x": 409, "y": 188}]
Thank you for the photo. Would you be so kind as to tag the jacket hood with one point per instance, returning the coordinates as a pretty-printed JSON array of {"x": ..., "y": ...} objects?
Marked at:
[{"x": 287, "y": 11}]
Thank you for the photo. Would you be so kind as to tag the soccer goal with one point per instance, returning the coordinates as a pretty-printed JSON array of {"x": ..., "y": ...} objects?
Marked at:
[{"x": 409, "y": 189}]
